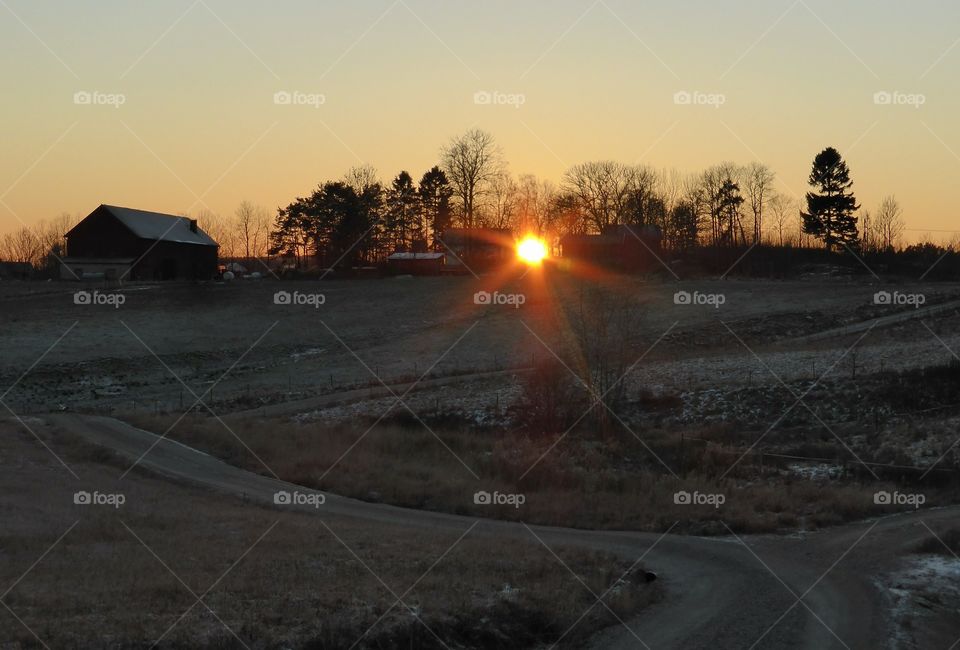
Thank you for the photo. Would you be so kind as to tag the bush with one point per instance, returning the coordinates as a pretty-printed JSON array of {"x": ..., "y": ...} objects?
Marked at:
[{"x": 551, "y": 400}]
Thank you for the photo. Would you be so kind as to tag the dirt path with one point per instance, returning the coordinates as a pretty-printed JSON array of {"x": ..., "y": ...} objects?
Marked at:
[
  {"x": 721, "y": 592},
  {"x": 882, "y": 321}
]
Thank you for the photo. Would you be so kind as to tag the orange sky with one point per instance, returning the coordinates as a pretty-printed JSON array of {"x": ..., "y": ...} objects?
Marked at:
[{"x": 177, "y": 109}]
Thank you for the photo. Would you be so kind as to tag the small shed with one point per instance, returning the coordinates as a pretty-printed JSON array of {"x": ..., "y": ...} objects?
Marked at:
[
  {"x": 16, "y": 270},
  {"x": 416, "y": 263}
]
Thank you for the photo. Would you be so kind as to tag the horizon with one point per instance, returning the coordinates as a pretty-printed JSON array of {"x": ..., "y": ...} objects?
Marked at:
[{"x": 161, "y": 135}]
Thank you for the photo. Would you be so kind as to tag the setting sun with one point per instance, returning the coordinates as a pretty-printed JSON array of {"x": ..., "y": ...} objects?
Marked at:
[{"x": 532, "y": 250}]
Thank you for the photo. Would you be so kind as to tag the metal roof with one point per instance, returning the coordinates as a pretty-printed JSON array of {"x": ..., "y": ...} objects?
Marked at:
[
  {"x": 415, "y": 256},
  {"x": 157, "y": 226}
]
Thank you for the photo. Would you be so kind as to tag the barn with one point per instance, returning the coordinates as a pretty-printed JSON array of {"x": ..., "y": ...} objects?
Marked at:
[
  {"x": 128, "y": 244},
  {"x": 477, "y": 249},
  {"x": 622, "y": 247}
]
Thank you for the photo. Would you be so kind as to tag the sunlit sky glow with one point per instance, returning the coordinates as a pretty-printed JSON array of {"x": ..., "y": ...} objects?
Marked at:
[{"x": 199, "y": 126}]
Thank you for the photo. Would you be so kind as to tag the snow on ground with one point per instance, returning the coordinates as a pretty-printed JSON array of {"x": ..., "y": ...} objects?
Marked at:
[
  {"x": 927, "y": 587},
  {"x": 484, "y": 403},
  {"x": 818, "y": 472}
]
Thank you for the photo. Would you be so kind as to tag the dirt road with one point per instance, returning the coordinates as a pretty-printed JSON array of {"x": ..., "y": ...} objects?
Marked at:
[{"x": 721, "y": 592}]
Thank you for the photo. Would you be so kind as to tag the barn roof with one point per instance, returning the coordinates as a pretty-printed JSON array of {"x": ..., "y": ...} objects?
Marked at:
[
  {"x": 157, "y": 226},
  {"x": 493, "y": 236},
  {"x": 415, "y": 256}
]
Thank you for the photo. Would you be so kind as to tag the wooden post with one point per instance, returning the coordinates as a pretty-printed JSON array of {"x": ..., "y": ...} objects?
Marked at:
[{"x": 681, "y": 454}]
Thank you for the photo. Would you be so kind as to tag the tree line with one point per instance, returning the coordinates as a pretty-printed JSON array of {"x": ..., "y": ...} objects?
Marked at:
[{"x": 359, "y": 219}]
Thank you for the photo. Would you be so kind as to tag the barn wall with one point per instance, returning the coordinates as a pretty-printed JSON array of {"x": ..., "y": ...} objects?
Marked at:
[
  {"x": 101, "y": 236},
  {"x": 174, "y": 261}
]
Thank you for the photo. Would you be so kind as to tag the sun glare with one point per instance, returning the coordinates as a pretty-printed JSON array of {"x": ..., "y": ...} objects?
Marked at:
[{"x": 532, "y": 250}]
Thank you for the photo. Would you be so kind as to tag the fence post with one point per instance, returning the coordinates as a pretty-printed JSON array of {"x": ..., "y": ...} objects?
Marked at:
[{"x": 681, "y": 455}]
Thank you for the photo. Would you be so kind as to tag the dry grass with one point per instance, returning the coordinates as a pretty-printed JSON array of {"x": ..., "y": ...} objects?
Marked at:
[
  {"x": 945, "y": 541},
  {"x": 615, "y": 483},
  {"x": 304, "y": 584}
]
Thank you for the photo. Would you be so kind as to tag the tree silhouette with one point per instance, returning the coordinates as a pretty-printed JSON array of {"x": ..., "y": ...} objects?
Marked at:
[
  {"x": 830, "y": 209},
  {"x": 471, "y": 161},
  {"x": 435, "y": 193},
  {"x": 402, "y": 214},
  {"x": 728, "y": 203},
  {"x": 335, "y": 218}
]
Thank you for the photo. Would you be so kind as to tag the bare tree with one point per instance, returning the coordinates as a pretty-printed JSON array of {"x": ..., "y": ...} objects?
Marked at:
[
  {"x": 888, "y": 223},
  {"x": 602, "y": 189},
  {"x": 868, "y": 235},
  {"x": 362, "y": 178},
  {"x": 504, "y": 200},
  {"x": 644, "y": 205},
  {"x": 252, "y": 228},
  {"x": 22, "y": 245},
  {"x": 536, "y": 199},
  {"x": 715, "y": 190},
  {"x": 599, "y": 346},
  {"x": 472, "y": 161},
  {"x": 40, "y": 245},
  {"x": 604, "y": 330},
  {"x": 783, "y": 208},
  {"x": 221, "y": 231},
  {"x": 758, "y": 179}
]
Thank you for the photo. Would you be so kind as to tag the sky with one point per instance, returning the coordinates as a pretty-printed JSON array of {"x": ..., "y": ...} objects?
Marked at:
[{"x": 173, "y": 106}]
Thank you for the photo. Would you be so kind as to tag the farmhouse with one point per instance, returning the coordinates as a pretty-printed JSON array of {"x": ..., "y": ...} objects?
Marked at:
[
  {"x": 478, "y": 249},
  {"x": 127, "y": 244},
  {"x": 621, "y": 247}
]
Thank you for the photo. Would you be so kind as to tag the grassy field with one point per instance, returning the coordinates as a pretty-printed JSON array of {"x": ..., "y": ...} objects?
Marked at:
[
  {"x": 122, "y": 577},
  {"x": 712, "y": 382},
  {"x": 613, "y": 484}
]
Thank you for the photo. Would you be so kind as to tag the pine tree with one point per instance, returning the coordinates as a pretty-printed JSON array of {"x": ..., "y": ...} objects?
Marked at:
[
  {"x": 402, "y": 213},
  {"x": 831, "y": 207},
  {"x": 729, "y": 200},
  {"x": 435, "y": 192}
]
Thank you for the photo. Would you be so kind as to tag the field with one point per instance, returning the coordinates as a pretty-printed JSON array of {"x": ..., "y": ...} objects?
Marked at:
[
  {"x": 754, "y": 407},
  {"x": 186, "y": 569}
]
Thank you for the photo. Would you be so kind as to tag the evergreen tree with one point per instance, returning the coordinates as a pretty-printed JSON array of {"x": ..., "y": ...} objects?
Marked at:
[
  {"x": 831, "y": 207},
  {"x": 435, "y": 193},
  {"x": 402, "y": 219},
  {"x": 728, "y": 201}
]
